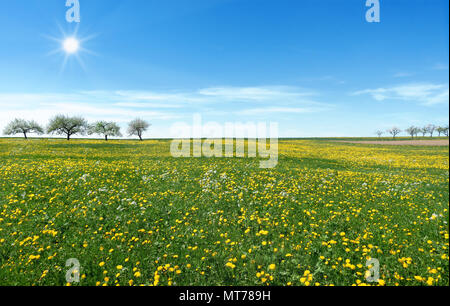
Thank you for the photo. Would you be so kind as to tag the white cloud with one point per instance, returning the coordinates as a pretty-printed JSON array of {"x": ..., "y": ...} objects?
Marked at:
[
  {"x": 325, "y": 78},
  {"x": 271, "y": 110},
  {"x": 147, "y": 105},
  {"x": 440, "y": 66},
  {"x": 267, "y": 93},
  {"x": 403, "y": 74},
  {"x": 122, "y": 106},
  {"x": 107, "y": 101},
  {"x": 43, "y": 106},
  {"x": 423, "y": 93}
]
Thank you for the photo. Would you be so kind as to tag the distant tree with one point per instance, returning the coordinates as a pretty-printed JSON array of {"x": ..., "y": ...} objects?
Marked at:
[
  {"x": 442, "y": 130},
  {"x": 104, "y": 128},
  {"x": 379, "y": 133},
  {"x": 137, "y": 127},
  {"x": 412, "y": 131},
  {"x": 445, "y": 130},
  {"x": 68, "y": 126},
  {"x": 424, "y": 131},
  {"x": 430, "y": 129},
  {"x": 394, "y": 131},
  {"x": 21, "y": 126}
]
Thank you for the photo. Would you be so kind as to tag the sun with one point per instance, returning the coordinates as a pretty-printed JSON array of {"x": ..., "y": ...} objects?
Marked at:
[{"x": 71, "y": 45}]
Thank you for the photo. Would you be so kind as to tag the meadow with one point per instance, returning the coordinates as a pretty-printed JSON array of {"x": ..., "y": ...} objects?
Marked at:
[{"x": 131, "y": 214}]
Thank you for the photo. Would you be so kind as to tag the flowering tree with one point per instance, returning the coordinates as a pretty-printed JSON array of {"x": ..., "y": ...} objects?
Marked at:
[
  {"x": 104, "y": 128},
  {"x": 20, "y": 126},
  {"x": 68, "y": 126},
  {"x": 137, "y": 127}
]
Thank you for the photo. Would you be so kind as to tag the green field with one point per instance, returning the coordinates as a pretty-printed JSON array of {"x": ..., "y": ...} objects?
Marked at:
[{"x": 131, "y": 214}]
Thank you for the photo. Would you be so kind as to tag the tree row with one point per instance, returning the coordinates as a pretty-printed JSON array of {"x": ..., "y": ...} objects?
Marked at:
[
  {"x": 69, "y": 126},
  {"x": 415, "y": 131}
]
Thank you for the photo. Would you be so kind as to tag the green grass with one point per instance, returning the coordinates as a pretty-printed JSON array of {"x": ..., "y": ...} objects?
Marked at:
[{"x": 132, "y": 214}]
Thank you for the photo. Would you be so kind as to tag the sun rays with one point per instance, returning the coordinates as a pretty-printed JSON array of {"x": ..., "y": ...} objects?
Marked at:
[{"x": 70, "y": 46}]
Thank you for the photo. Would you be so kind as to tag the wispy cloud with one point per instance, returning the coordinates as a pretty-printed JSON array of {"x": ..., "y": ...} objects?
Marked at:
[
  {"x": 325, "y": 78},
  {"x": 147, "y": 105},
  {"x": 93, "y": 106},
  {"x": 440, "y": 66},
  {"x": 422, "y": 93},
  {"x": 208, "y": 95},
  {"x": 123, "y": 105},
  {"x": 402, "y": 74},
  {"x": 267, "y": 93},
  {"x": 289, "y": 110}
]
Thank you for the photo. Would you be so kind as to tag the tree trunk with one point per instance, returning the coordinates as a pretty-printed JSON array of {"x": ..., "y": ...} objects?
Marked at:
[
  {"x": 25, "y": 134},
  {"x": 68, "y": 137},
  {"x": 106, "y": 137}
]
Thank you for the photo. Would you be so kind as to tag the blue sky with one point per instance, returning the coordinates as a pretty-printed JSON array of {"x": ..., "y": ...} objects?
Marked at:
[{"x": 314, "y": 66}]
